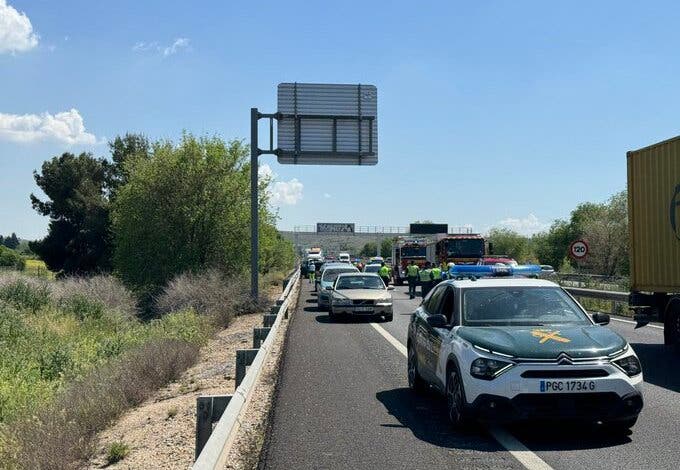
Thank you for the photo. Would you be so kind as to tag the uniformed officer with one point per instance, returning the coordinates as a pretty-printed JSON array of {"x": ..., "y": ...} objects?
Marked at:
[
  {"x": 384, "y": 273},
  {"x": 311, "y": 271},
  {"x": 436, "y": 275},
  {"x": 412, "y": 278},
  {"x": 425, "y": 278}
]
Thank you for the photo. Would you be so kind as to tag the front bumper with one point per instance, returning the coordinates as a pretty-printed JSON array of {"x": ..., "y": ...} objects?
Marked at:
[
  {"x": 362, "y": 309},
  {"x": 602, "y": 406}
]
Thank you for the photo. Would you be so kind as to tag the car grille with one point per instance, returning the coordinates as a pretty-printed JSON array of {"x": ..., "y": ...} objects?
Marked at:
[
  {"x": 565, "y": 374},
  {"x": 362, "y": 302}
]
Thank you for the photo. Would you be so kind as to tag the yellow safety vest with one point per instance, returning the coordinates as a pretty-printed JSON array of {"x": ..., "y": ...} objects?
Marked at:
[
  {"x": 436, "y": 273},
  {"x": 412, "y": 270},
  {"x": 425, "y": 275},
  {"x": 384, "y": 271}
]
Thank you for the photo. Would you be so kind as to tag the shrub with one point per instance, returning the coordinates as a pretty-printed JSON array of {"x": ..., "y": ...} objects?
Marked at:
[
  {"x": 209, "y": 293},
  {"x": 10, "y": 258},
  {"x": 117, "y": 452},
  {"x": 24, "y": 292},
  {"x": 84, "y": 292}
]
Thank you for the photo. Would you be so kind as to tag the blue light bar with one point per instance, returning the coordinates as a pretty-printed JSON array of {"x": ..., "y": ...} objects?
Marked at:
[{"x": 491, "y": 270}]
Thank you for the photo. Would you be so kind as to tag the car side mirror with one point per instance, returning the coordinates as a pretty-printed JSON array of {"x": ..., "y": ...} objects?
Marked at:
[
  {"x": 601, "y": 318},
  {"x": 329, "y": 287},
  {"x": 437, "y": 321},
  {"x": 390, "y": 287}
]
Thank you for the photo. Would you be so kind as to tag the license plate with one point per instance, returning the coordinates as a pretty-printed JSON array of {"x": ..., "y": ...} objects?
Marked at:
[
  {"x": 567, "y": 386},
  {"x": 363, "y": 309}
]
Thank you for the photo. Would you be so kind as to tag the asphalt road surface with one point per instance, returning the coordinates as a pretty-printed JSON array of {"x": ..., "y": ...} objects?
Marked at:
[{"x": 343, "y": 402}]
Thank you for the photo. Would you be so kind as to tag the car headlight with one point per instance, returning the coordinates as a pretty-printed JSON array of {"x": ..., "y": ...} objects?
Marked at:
[
  {"x": 488, "y": 369},
  {"x": 630, "y": 365},
  {"x": 341, "y": 301}
]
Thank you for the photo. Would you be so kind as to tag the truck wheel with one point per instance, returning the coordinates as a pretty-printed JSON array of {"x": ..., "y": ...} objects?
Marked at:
[{"x": 671, "y": 327}]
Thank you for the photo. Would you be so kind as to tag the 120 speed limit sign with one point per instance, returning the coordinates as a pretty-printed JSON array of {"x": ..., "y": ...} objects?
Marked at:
[{"x": 578, "y": 249}]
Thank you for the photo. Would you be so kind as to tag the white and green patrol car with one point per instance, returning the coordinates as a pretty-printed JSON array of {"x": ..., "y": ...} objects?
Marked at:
[{"x": 506, "y": 349}]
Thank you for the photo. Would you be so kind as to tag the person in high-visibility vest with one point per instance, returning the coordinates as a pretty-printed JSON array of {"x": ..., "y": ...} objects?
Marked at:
[
  {"x": 384, "y": 273},
  {"x": 412, "y": 278},
  {"x": 436, "y": 275},
  {"x": 311, "y": 271},
  {"x": 445, "y": 271},
  {"x": 425, "y": 278}
]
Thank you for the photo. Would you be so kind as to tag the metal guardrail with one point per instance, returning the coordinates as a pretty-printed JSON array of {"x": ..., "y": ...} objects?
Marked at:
[
  {"x": 212, "y": 454},
  {"x": 616, "y": 298}
]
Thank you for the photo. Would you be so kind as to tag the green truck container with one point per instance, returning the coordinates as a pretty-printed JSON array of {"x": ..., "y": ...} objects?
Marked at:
[{"x": 654, "y": 225}]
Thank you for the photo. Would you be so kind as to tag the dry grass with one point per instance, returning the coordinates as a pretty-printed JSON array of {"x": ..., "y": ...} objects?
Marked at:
[
  {"x": 209, "y": 293},
  {"x": 62, "y": 435},
  {"x": 107, "y": 291}
]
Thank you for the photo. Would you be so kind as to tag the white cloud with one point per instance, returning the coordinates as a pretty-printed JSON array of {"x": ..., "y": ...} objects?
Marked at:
[
  {"x": 327, "y": 196},
  {"x": 16, "y": 31},
  {"x": 176, "y": 46},
  {"x": 179, "y": 44},
  {"x": 528, "y": 225},
  {"x": 67, "y": 127},
  {"x": 282, "y": 193}
]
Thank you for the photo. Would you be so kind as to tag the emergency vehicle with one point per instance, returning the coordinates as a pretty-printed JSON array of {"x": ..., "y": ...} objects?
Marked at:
[
  {"x": 405, "y": 250},
  {"x": 464, "y": 248}
]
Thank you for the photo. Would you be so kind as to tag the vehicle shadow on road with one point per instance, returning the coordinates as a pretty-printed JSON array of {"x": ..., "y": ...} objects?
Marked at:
[
  {"x": 659, "y": 365},
  {"x": 347, "y": 319},
  {"x": 425, "y": 416},
  {"x": 543, "y": 436}
]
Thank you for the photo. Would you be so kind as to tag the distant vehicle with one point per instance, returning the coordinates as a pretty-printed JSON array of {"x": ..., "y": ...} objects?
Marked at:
[
  {"x": 329, "y": 274},
  {"x": 654, "y": 224},
  {"x": 376, "y": 260},
  {"x": 360, "y": 294},
  {"x": 405, "y": 250},
  {"x": 463, "y": 248},
  {"x": 344, "y": 257},
  {"x": 491, "y": 260},
  {"x": 515, "y": 348},
  {"x": 372, "y": 268},
  {"x": 546, "y": 269}
]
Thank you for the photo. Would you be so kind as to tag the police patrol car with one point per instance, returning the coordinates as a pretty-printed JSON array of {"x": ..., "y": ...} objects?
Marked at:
[{"x": 504, "y": 348}]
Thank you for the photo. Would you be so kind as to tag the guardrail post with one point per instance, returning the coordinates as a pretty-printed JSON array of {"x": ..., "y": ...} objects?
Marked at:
[
  {"x": 209, "y": 410},
  {"x": 259, "y": 335},
  {"x": 244, "y": 357},
  {"x": 268, "y": 320}
]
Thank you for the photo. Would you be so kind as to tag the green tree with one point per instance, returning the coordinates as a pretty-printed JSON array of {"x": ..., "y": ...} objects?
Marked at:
[
  {"x": 78, "y": 240},
  {"x": 386, "y": 247},
  {"x": 606, "y": 231},
  {"x": 123, "y": 150},
  {"x": 186, "y": 208},
  {"x": 508, "y": 242},
  {"x": 368, "y": 250},
  {"x": 11, "y": 242}
]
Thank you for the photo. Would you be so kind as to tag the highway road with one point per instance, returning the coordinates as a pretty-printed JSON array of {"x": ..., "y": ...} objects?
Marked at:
[{"x": 343, "y": 402}]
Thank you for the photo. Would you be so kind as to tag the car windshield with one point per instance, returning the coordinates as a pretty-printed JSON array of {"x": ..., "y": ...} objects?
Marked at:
[
  {"x": 330, "y": 275},
  {"x": 520, "y": 306},
  {"x": 359, "y": 282},
  {"x": 372, "y": 268}
]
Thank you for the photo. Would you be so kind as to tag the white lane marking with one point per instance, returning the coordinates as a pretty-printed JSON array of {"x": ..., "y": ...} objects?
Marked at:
[
  {"x": 518, "y": 450},
  {"x": 634, "y": 323},
  {"x": 391, "y": 339}
]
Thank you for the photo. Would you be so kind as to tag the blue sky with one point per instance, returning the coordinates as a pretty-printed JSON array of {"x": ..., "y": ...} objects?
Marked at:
[{"x": 490, "y": 113}]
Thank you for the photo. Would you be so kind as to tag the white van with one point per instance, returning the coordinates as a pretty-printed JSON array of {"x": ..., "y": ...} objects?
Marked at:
[{"x": 343, "y": 257}]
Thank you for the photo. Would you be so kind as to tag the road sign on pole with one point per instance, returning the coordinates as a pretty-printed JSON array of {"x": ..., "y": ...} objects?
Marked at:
[
  {"x": 317, "y": 124},
  {"x": 578, "y": 249}
]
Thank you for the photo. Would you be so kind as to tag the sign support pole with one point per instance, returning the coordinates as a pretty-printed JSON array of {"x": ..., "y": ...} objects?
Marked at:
[{"x": 254, "y": 200}]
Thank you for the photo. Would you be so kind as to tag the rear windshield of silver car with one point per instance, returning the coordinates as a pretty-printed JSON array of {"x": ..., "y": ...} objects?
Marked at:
[
  {"x": 520, "y": 306},
  {"x": 333, "y": 273}
]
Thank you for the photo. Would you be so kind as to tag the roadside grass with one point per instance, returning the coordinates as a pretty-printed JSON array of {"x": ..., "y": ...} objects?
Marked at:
[
  {"x": 74, "y": 356},
  {"x": 117, "y": 451}
]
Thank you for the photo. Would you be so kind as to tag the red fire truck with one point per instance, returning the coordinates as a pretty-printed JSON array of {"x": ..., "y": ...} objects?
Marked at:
[
  {"x": 462, "y": 248},
  {"x": 405, "y": 250}
]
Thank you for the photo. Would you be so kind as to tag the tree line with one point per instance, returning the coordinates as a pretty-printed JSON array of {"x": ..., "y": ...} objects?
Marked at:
[
  {"x": 604, "y": 226},
  {"x": 154, "y": 210}
]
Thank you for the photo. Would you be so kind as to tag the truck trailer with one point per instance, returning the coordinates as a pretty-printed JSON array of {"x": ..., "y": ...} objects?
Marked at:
[{"x": 654, "y": 227}]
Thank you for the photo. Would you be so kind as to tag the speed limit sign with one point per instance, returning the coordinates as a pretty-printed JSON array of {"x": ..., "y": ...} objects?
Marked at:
[{"x": 578, "y": 249}]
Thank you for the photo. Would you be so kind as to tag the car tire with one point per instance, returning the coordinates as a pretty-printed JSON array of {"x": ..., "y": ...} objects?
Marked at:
[
  {"x": 415, "y": 381},
  {"x": 388, "y": 318},
  {"x": 455, "y": 398},
  {"x": 620, "y": 425}
]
